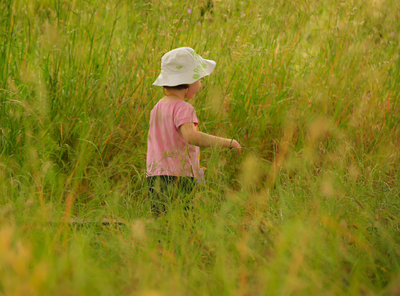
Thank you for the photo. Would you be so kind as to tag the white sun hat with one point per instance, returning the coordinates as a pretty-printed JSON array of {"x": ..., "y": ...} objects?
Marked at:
[{"x": 183, "y": 66}]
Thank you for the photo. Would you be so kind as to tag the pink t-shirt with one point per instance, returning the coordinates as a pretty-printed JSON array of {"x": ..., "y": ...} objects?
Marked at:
[{"x": 167, "y": 151}]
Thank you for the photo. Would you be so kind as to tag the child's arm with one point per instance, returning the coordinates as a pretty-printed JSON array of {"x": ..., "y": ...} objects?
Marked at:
[{"x": 197, "y": 138}]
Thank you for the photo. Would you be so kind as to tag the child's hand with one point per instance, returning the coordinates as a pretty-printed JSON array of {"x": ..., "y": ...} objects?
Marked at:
[{"x": 235, "y": 145}]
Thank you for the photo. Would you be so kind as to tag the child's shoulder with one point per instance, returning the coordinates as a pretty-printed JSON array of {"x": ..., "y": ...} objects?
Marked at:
[
  {"x": 185, "y": 104},
  {"x": 185, "y": 107},
  {"x": 173, "y": 107},
  {"x": 177, "y": 104}
]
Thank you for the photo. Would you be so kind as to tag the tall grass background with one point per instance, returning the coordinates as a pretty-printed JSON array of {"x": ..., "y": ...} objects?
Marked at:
[{"x": 309, "y": 88}]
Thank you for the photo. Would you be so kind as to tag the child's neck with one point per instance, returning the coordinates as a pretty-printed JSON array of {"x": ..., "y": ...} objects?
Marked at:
[{"x": 174, "y": 95}]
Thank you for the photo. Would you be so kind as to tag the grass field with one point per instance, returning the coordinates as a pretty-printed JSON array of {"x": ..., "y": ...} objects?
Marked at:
[{"x": 309, "y": 88}]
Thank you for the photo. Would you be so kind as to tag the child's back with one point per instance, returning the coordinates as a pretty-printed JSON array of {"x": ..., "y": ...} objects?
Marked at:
[{"x": 167, "y": 152}]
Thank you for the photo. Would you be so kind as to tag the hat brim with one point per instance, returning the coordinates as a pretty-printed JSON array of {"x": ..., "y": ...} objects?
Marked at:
[{"x": 184, "y": 78}]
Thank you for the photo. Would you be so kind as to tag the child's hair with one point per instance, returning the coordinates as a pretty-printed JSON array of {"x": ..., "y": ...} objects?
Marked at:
[{"x": 180, "y": 86}]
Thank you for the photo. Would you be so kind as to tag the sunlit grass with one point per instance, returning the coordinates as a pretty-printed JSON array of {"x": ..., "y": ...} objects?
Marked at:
[{"x": 309, "y": 88}]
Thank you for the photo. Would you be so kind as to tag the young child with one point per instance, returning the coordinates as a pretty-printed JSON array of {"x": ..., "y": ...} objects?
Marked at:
[{"x": 174, "y": 138}]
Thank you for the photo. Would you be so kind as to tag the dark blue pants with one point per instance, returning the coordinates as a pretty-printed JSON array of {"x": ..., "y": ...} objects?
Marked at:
[{"x": 164, "y": 189}]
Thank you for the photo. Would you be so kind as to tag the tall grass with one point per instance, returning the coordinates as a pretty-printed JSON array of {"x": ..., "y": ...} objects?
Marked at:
[{"x": 309, "y": 88}]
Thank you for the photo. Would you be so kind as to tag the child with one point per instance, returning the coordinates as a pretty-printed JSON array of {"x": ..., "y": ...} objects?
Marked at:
[{"x": 174, "y": 139}]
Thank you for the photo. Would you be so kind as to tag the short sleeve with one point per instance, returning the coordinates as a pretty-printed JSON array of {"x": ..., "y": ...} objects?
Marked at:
[{"x": 185, "y": 113}]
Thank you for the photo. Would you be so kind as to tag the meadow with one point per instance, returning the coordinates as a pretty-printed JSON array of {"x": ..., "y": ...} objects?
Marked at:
[{"x": 309, "y": 88}]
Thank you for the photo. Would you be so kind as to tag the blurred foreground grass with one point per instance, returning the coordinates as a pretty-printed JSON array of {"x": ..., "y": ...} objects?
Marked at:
[{"x": 311, "y": 90}]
